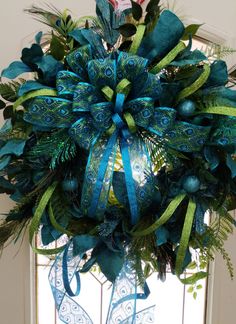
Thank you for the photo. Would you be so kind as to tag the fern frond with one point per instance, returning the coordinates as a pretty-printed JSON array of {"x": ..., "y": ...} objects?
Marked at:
[
  {"x": 215, "y": 51},
  {"x": 59, "y": 147},
  {"x": 9, "y": 90}
]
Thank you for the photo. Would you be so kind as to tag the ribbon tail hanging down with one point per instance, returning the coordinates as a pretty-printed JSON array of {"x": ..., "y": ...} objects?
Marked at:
[
  {"x": 69, "y": 311},
  {"x": 124, "y": 298},
  {"x": 98, "y": 176}
]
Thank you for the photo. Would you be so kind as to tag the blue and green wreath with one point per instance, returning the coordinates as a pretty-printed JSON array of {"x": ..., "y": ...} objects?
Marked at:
[{"x": 122, "y": 140}]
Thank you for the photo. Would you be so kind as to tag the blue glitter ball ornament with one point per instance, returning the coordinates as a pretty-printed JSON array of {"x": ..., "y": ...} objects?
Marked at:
[
  {"x": 186, "y": 108},
  {"x": 70, "y": 184},
  {"x": 191, "y": 184}
]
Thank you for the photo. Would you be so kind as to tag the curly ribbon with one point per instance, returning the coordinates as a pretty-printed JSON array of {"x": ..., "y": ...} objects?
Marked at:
[
  {"x": 137, "y": 39},
  {"x": 124, "y": 298},
  {"x": 60, "y": 276},
  {"x": 196, "y": 84},
  {"x": 218, "y": 110},
  {"x": 33, "y": 94},
  {"x": 168, "y": 58},
  {"x": 188, "y": 223},
  {"x": 124, "y": 295},
  {"x": 163, "y": 219},
  {"x": 35, "y": 222}
]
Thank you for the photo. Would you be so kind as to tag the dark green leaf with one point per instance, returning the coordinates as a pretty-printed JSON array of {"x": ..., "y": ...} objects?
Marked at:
[
  {"x": 2, "y": 104},
  {"x": 8, "y": 112},
  {"x": 125, "y": 45},
  {"x": 57, "y": 49},
  {"x": 191, "y": 30},
  {"x": 152, "y": 6},
  {"x": 137, "y": 10},
  {"x": 127, "y": 30}
]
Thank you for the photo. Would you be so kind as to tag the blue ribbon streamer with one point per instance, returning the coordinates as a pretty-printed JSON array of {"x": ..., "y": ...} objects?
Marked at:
[
  {"x": 101, "y": 173},
  {"x": 65, "y": 275},
  {"x": 129, "y": 182}
]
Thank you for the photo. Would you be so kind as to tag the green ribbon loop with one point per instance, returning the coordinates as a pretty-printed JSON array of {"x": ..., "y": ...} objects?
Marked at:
[
  {"x": 168, "y": 58},
  {"x": 124, "y": 86},
  {"x": 137, "y": 39},
  {"x": 184, "y": 241},
  {"x": 35, "y": 223},
  {"x": 219, "y": 110},
  {"x": 164, "y": 217},
  {"x": 130, "y": 122},
  {"x": 196, "y": 84},
  {"x": 108, "y": 93},
  {"x": 33, "y": 94}
]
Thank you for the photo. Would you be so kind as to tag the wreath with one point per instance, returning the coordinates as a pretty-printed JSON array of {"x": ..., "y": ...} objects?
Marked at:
[{"x": 121, "y": 139}]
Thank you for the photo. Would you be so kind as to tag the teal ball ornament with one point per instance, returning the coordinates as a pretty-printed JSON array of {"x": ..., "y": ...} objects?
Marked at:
[
  {"x": 191, "y": 184},
  {"x": 186, "y": 108},
  {"x": 70, "y": 184}
]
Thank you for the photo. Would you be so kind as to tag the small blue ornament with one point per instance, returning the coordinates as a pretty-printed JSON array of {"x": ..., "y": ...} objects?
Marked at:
[
  {"x": 191, "y": 184},
  {"x": 186, "y": 108},
  {"x": 70, "y": 184}
]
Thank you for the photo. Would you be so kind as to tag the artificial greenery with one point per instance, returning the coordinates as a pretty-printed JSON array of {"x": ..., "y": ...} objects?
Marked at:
[{"x": 171, "y": 116}]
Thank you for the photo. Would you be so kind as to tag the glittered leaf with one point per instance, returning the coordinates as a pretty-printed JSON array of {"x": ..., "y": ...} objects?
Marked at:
[{"x": 127, "y": 30}]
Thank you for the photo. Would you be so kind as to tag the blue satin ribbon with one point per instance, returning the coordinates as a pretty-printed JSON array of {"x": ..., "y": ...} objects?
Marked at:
[{"x": 66, "y": 279}]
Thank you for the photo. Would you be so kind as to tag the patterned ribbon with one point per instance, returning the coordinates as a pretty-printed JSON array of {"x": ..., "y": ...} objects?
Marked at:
[
  {"x": 104, "y": 127},
  {"x": 124, "y": 294}
]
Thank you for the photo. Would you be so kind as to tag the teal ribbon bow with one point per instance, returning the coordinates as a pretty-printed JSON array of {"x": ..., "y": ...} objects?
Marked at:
[{"x": 105, "y": 104}]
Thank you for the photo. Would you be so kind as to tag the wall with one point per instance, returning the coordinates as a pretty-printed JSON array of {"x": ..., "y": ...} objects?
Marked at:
[{"x": 16, "y": 29}]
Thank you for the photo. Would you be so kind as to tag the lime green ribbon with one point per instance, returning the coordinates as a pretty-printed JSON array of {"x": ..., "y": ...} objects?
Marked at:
[
  {"x": 191, "y": 280},
  {"x": 124, "y": 86},
  {"x": 168, "y": 58},
  {"x": 137, "y": 39},
  {"x": 33, "y": 94},
  {"x": 219, "y": 110},
  {"x": 163, "y": 219},
  {"x": 108, "y": 93},
  {"x": 184, "y": 241},
  {"x": 196, "y": 84},
  {"x": 130, "y": 122},
  {"x": 35, "y": 223}
]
